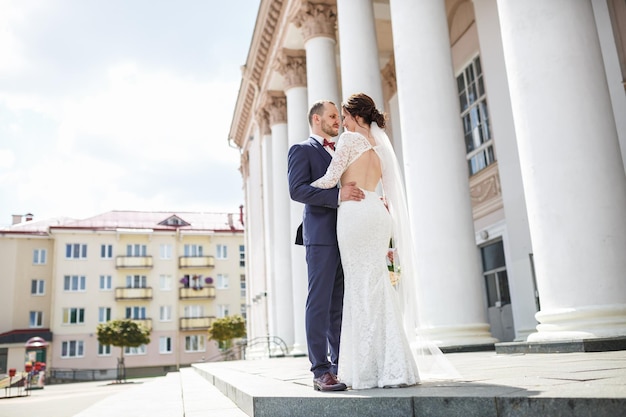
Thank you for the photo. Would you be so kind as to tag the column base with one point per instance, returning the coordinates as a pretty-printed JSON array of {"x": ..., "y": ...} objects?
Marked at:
[
  {"x": 577, "y": 323},
  {"x": 463, "y": 335},
  {"x": 296, "y": 351}
]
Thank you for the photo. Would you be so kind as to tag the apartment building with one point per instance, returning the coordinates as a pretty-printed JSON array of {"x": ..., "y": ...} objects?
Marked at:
[{"x": 173, "y": 272}]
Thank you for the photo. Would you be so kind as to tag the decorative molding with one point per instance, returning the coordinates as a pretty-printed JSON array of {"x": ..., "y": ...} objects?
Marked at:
[
  {"x": 485, "y": 191},
  {"x": 263, "y": 37},
  {"x": 291, "y": 64},
  {"x": 389, "y": 77},
  {"x": 275, "y": 105},
  {"x": 316, "y": 19}
]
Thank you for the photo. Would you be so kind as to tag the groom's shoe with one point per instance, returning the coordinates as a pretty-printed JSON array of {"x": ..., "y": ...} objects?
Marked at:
[{"x": 328, "y": 382}]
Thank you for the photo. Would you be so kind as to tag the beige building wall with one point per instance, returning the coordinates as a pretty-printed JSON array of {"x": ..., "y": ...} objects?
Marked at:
[
  {"x": 98, "y": 281},
  {"x": 18, "y": 268}
]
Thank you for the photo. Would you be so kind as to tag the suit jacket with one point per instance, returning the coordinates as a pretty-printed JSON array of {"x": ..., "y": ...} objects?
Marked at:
[{"x": 307, "y": 161}]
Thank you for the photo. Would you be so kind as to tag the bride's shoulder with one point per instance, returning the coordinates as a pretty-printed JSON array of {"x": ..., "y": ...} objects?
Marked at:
[{"x": 352, "y": 136}]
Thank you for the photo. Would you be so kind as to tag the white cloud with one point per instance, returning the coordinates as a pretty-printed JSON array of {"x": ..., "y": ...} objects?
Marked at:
[
  {"x": 7, "y": 159},
  {"x": 130, "y": 119}
]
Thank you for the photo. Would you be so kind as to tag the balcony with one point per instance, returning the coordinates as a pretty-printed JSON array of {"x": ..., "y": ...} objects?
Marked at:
[
  {"x": 134, "y": 262},
  {"x": 196, "y": 262},
  {"x": 195, "y": 323},
  {"x": 192, "y": 293},
  {"x": 147, "y": 323},
  {"x": 123, "y": 293}
]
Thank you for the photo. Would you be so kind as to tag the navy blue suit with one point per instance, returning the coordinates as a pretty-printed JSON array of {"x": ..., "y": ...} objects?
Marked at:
[{"x": 307, "y": 162}]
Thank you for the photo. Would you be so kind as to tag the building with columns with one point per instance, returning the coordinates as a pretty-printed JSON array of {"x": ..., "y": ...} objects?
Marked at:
[{"x": 509, "y": 119}]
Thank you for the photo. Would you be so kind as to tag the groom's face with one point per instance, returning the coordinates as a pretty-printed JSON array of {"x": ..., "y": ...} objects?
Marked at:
[{"x": 330, "y": 121}]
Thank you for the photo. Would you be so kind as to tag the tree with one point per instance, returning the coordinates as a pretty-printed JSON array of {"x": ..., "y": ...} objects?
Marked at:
[
  {"x": 122, "y": 333},
  {"x": 224, "y": 330}
]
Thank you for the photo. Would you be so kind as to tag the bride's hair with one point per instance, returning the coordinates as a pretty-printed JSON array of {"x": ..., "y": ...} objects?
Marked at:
[{"x": 360, "y": 104}]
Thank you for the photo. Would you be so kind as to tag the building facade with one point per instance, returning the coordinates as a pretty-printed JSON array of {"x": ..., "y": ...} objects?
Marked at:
[
  {"x": 172, "y": 272},
  {"x": 509, "y": 119}
]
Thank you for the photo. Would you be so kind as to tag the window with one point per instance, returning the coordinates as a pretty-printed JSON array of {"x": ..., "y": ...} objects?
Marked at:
[
  {"x": 37, "y": 287},
  {"x": 165, "y": 344},
  {"x": 165, "y": 282},
  {"x": 73, "y": 316},
  {"x": 106, "y": 282},
  {"x": 475, "y": 117},
  {"x": 104, "y": 314},
  {"x": 242, "y": 255},
  {"x": 74, "y": 283},
  {"x": 72, "y": 349},
  {"x": 244, "y": 311},
  {"x": 104, "y": 350},
  {"x": 39, "y": 256},
  {"x": 136, "y": 281},
  {"x": 140, "y": 350},
  {"x": 194, "y": 311},
  {"x": 165, "y": 313},
  {"x": 496, "y": 279},
  {"x": 193, "y": 250},
  {"x": 106, "y": 251},
  {"x": 75, "y": 251},
  {"x": 36, "y": 319},
  {"x": 194, "y": 343},
  {"x": 165, "y": 251},
  {"x": 222, "y": 310},
  {"x": 222, "y": 252},
  {"x": 136, "y": 313},
  {"x": 242, "y": 285},
  {"x": 136, "y": 250},
  {"x": 222, "y": 281}
]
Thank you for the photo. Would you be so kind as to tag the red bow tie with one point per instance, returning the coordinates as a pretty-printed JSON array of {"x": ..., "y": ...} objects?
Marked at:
[{"x": 331, "y": 145}]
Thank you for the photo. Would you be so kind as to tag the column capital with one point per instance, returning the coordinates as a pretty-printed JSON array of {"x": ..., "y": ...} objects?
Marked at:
[
  {"x": 275, "y": 104},
  {"x": 316, "y": 18},
  {"x": 262, "y": 119},
  {"x": 291, "y": 64}
]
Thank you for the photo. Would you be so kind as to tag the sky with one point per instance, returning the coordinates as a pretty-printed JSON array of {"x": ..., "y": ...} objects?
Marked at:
[{"x": 120, "y": 105}]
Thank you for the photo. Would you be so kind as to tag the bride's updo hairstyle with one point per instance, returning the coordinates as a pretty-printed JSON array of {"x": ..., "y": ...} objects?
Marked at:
[{"x": 361, "y": 104}]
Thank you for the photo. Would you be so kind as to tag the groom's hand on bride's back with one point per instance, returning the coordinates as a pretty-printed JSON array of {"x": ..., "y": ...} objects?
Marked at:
[{"x": 350, "y": 191}]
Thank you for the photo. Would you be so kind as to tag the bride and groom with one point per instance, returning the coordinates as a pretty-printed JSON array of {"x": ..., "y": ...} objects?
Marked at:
[{"x": 346, "y": 230}]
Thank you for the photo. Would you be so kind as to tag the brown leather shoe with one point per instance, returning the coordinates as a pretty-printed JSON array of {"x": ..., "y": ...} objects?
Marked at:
[{"x": 328, "y": 382}]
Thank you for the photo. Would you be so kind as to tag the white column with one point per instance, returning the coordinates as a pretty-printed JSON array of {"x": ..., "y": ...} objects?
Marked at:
[
  {"x": 451, "y": 304},
  {"x": 317, "y": 22},
  {"x": 572, "y": 169},
  {"x": 280, "y": 298},
  {"x": 360, "y": 67},
  {"x": 292, "y": 65},
  {"x": 261, "y": 300},
  {"x": 517, "y": 240},
  {"x": 255, "y": 232}
]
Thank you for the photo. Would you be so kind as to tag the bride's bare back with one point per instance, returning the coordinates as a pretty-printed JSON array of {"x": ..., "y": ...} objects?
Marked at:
[
  {"x": 355, "y": 160},
  {"x": 365, "y": 171}
]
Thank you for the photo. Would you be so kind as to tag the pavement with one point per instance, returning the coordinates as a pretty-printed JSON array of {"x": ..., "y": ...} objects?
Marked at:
[{"x": 491, "y": 384}]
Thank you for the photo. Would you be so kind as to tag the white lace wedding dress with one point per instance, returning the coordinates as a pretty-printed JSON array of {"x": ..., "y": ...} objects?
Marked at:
[{"x": 374, "y": 350}]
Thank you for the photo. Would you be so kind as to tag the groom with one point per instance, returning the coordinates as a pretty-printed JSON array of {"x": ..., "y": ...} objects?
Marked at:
[{"x": 307, "y": 162}]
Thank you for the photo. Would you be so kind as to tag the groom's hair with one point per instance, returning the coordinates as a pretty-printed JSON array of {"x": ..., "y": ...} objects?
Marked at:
[{"x": 318, "y": 108}]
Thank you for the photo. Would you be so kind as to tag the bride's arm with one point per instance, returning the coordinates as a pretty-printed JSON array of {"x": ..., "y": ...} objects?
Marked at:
[{"x": 337, "y": 166}]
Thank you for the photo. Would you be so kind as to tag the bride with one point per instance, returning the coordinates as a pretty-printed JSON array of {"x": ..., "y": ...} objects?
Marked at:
[{"x": 378, "y": 342}]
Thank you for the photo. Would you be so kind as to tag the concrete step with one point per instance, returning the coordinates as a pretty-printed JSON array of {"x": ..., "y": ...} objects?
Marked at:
[{"x": 492, "y": 385}]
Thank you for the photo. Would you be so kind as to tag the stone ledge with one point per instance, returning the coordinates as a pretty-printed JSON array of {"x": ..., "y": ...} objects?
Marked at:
[{"x": 564, "y": 346}]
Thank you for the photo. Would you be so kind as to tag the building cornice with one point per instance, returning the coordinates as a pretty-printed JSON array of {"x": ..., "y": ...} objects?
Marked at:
[{"x": 264, "y": 35}]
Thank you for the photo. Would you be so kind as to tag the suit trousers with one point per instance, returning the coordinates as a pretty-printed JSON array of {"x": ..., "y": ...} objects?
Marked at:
[{"x": 324, "y": 307}]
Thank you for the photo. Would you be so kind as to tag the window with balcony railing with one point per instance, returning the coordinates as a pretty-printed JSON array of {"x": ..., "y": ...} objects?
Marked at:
[
  {"x": 136, "y": 281},
  {"x": 193, "y": 250},
  {"x": 136, "y": 250}
]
